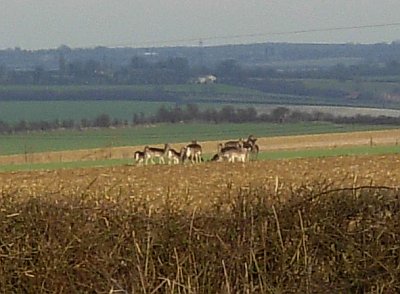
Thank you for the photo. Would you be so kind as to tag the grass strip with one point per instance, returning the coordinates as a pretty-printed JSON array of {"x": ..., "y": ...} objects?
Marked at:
[{"x": 270, "y": 155}]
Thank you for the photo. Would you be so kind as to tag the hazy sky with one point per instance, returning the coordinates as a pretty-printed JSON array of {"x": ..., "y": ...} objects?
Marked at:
[{"x": 37, "y": 24}]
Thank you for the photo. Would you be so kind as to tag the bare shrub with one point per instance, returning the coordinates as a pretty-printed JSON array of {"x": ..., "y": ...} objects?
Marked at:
[{"x": 315, "y": 241}]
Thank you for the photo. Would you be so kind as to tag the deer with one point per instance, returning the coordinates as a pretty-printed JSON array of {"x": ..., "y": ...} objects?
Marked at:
[
  {"x": 231, "y": 154},
  {"x": 251, "y": 139},
  {"x": 175, "y": 156},
  {"x": 193, "y": 152},
  {"x": 151, "y": 152},
  {"x": 139, "y": 157},
  {"x": 251, "y": 146},
  {"x": 235, "y": 144},
  {"x": 254, "y": 151},
  {"x": 217, "y": 158}
]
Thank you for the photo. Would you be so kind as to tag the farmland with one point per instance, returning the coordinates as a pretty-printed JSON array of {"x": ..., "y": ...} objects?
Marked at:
[
  {"x": 317, "y": 212},
  {"x": 160, "y": 134},
  {"x": 206, "y": 180},
  {"x": 255, "y": 226},
  {"x": 303, "y": 218},
  {"x": 141, "y": 92},
  {"x": 31, "y": 111},
  {"x": 24, "y": 102}
]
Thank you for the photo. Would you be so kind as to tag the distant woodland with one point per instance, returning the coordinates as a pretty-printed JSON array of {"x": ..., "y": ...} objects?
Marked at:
[
  {"x": 270, "y": 67},
  {"x": 238, "y": 64},
  {"x": 269, "y": 73}
]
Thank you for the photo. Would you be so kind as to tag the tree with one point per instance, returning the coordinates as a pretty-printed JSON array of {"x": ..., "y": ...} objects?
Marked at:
[
  {"x": 163, "y": 114},
  {"x": 229, "y": 68},
  {"x": 102, "y": 121},
  {"x": 67, "y": 124},
  {"x": 62, "y": 64},
  {"x": 139, "y": 63},
  {"x": 279, "y": 114},
  {"x": 135, "y": 119},
  {"x": 4, "y": 127},
  {"x": 192, "y": 111},
  {"x": 21, "y": 126},
  {"x": 38, "y": 74},
  {"x": 227, "y": 113},
  {"x": 85, "y": 123}
]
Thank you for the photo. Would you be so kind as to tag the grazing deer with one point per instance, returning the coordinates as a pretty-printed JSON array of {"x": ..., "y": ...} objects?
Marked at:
[
  {"x": 235, "y": 144},
  {"x": 139, "y": 157},
  {"x": 193, "y": 152},
  {"x": 152, "y": 152},
  {"x": 216, "y": 158},
  {"x": 232, "y": 154},
  {"x": 175, "y": 156}
]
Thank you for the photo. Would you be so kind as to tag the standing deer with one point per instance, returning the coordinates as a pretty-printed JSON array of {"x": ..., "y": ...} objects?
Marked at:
[
  {"x": 193, "y": 152},
  {"x": 139, "y": 157},
  {"x": 152, "y": 152},
  {"x": 231, "y": 154},
  {"x": 251, "y": 146},
  {"x": 235, "y": 144},
  {"x": 175, "y": 156}
]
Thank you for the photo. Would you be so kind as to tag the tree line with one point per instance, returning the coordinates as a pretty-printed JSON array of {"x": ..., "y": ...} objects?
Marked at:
[
  {"x": 177, "y": 70},
  {"x": 192, "y": 113}
]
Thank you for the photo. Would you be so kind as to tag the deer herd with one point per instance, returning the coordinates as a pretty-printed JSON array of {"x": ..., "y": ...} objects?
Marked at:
[{"x": 231, "y": 151}]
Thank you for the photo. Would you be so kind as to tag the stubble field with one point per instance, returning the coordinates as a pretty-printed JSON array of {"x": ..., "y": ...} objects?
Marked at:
[
  {"x": 201, "y": 185},
  {"x": 307, "y": 225}
]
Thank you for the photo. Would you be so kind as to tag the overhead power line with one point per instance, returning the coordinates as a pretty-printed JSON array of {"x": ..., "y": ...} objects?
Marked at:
[
  {"x": 323, "y": 30},
  {"x": 266, "y": 34},
  {"x": 301, "y": 31}
]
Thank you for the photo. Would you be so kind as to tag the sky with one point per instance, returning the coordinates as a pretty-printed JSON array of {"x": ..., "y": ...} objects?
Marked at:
[{"x": 45, "y": 24}]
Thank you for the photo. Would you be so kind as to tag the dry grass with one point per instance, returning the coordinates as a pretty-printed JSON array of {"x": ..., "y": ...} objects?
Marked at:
[
  {"x": 262, "y": 227},
  {"x": 316, "y": 241},
  {"x": 201, "y": 185}
]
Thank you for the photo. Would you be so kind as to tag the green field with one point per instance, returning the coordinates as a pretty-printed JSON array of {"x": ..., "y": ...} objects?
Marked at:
[
  {"x": 340, "y": 151},
  {"x": 160, "y": 92},
  {"x": 79, "y": 102},
  {"x": 48, "y": 103},
  {"x": 160, "y": 134},
  {"x": 33, "y": 111},
  {"x": 272, "y": 155},
  {"x": 373, "y": 86}
]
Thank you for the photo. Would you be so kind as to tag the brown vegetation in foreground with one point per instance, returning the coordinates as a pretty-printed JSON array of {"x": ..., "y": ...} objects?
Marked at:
[
  {"x": 305, "y": 226},
  {"x": 316, "y": 241}
]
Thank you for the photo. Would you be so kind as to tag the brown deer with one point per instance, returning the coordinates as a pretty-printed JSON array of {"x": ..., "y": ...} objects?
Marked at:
[
  {"x": 175, "y": 156},
  {"x": 231, "y": 154},
  {"x": 235, "y": 144},
  {"x": 251, "y": 146},
  {"x": 139, "y": 157},
  {"x": 152, "y": 152},
  {"x": 192, "y": 152}
]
